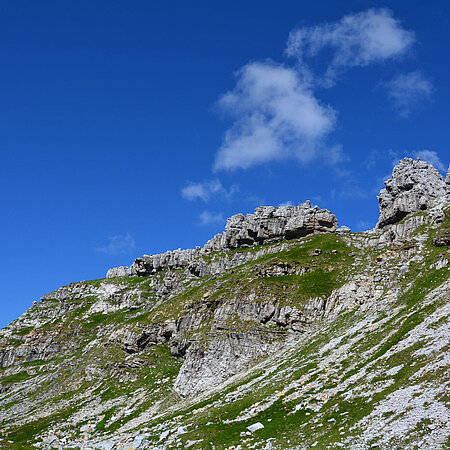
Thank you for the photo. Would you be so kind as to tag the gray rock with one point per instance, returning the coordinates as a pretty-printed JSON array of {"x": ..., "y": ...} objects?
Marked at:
[
  {"x": 139, "y": 441},
  {"x": 105, "y": 445},
  {"x": 270, "y": 224},
  {"x": 232, "y": 350},
  {"x": 222, "y": 331},
  {"x": 177, "y": 259},
  {"x": 164, "y": 434},
  {"x": 415, "y": 186},
  {"x": 121, "y": 271},
  {"x": 256, "y": 426}
]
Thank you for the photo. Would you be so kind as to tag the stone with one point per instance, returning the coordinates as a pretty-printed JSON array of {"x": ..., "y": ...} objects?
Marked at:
[
  {"x": 280, "y": 269},
  {"x": 121, "y": 271},
  {"x": 256, "y": 426},
  {"x": 105, "y": 445},
  {"x": 164, "y": 434},
  {"x": 442, "y": 241},
  {"x": 415, "y": 186},
  {"x": 138, "y": 441}
]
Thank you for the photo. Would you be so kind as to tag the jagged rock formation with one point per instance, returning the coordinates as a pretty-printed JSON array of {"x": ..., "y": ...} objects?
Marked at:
[
  {"x": 268, "y": 224},
  {"x": 415, "y": 186},
  {"x": 321, "y": 337}
]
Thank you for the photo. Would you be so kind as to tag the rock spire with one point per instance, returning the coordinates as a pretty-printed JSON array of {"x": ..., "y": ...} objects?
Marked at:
[{"x": 415, "y": 186}]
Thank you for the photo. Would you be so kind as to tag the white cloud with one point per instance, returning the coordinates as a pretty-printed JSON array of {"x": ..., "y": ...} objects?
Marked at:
[
  {"x": 276, "y": 114},
  {"x": 430, "y": 157},
  {"x": 209, "y": 218},
  {"x": 207, "y": 189},
  {"x": 408, "y": 90},
  {"x": 355, "y": 40},
  {"x": 276, "y": 117},
  {"x": 118, "y": 244},
  {"x": 194, "y": 191}
]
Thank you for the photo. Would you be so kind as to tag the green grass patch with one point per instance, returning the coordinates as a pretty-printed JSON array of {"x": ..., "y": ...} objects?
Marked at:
[{"x": 16, "y": 378}]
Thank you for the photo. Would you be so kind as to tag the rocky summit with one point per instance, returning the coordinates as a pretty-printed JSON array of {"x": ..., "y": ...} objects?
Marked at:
[
  {"x": 282, "y": 332},
  {"x": 268, "y": 224},
  {"x": 414, "y": 186}
]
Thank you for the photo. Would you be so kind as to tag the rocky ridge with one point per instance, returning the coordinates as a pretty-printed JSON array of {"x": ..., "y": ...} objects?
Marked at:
[
  {"x": 281, "y": 319},
  {"x": 268, "y": 224}
]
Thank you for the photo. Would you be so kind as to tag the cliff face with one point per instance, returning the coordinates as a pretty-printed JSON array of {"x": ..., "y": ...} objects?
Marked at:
[{"x": 322, "y": 336}]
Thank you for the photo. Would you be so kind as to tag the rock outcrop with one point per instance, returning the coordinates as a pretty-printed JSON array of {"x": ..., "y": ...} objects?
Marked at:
[
  {"x": 268, "y": 224},
  {"x": 415, "y": 186},
  {"x": 121, "y": 271}
]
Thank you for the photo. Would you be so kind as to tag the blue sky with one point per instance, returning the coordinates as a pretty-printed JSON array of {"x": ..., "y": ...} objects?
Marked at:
[{"x": 138, "y": 127}]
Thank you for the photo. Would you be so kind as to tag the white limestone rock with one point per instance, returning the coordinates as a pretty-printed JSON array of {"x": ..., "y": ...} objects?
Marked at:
[
  {"x": 121, "y": 271},
  {"x": 415, "y": 186},
  {"x": 255, "y": 427},
  {"x": 269, "y": 224}
]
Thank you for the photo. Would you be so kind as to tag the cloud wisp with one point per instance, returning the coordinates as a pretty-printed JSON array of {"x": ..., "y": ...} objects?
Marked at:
[
  {"x": 275, "y": 115},
  {"x": 206, "y": 190},
  {"x": 408, "y": 90},
  {"x": 355, "y": 40},
  {"x": 119, "y": 244}
]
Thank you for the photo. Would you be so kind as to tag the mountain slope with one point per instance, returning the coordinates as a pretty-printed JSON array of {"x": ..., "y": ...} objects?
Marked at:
[{"x": 327, "y": 338}]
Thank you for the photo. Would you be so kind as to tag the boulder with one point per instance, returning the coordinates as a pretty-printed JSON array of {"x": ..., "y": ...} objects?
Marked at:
[
  {"x": 121, "y": 271},
  {"x": 255, "y": 427}
]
